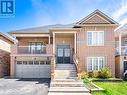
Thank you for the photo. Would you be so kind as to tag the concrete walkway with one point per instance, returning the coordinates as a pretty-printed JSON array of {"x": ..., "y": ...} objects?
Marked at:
[
  {"x": 69, "y": 93},
  {"x": 68, "y": 87}
]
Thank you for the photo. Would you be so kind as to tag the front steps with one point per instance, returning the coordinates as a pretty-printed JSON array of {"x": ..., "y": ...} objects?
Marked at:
[
  {"x": 65, "y": 81},
  {"x": 65, "y": 71},
  {"x": 68, "y": 87}
]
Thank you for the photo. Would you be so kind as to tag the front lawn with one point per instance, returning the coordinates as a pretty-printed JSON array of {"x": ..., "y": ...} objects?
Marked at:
[{"x": 112, "y": 88}]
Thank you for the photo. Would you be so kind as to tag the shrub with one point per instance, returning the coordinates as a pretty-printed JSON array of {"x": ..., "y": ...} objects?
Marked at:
[
  {"x": 93, "y": 74},
  {"x": 104, "y": 73},
  {"x": 84, "y": 76}
]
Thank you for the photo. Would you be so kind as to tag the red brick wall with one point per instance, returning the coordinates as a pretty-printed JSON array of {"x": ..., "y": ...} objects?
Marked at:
[
  {"x": 4, "y": 63},
  {"x": 107, "y": 50}
]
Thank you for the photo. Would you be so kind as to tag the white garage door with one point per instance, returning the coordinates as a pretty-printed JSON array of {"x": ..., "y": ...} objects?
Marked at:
[{"x": 30, "y": 69}]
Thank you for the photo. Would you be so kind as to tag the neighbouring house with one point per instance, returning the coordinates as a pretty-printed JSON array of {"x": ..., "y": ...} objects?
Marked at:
[
  {"x": 5, "y": 43},
  {"x": 121, "y": 50},
  {"x": 64, "y": 51}
]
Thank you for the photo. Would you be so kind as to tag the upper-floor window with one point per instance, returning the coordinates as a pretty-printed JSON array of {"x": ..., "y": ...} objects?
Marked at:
[
  {"x": 95, "y": 38},
  {"x": 37, "y": 47}
]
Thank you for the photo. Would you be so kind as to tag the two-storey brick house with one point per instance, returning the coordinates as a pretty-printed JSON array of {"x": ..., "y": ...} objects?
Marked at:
[{"x": 64, "y": 51}]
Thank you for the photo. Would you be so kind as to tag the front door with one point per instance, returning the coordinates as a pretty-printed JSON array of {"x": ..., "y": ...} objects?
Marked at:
[
  {"x": 63, "y": 53},
  {"x": 125, "y": 66}
]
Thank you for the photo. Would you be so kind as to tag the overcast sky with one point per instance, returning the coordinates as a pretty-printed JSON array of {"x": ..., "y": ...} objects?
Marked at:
[{"x": 33, "y": 13}]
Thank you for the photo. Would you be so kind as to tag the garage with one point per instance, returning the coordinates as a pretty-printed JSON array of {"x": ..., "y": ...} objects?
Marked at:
[{"x": 33, "y": 69}]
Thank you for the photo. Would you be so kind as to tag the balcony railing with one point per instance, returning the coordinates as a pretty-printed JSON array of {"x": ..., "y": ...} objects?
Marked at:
[
  {"x": 123, "y": 50},
  {"x": 31, "y": 49}
]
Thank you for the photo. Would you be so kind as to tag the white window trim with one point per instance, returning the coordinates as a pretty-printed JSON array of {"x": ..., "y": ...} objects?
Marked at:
[
  {"x": 98, "y": 57},
  {"x": 97, "y": 40}
]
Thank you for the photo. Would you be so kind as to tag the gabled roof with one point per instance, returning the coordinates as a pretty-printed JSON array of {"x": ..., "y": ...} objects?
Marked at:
[
  {"x": 100, "y": 14},
  {"x": 6, "y": 38}
]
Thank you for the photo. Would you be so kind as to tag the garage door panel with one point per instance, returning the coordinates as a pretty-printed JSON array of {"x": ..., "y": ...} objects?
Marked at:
[
  {"x": 32, "y": 71},
  {"x": 45, "y": 73},
  {"x": 19, "y": 71}
]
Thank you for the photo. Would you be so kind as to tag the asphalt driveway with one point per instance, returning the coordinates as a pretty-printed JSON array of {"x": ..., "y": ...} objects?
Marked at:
[{"x": 24, "y": 86}]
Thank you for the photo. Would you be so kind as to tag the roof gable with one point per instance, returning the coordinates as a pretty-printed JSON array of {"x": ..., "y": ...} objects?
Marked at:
[{"x": 97, "y": 17}]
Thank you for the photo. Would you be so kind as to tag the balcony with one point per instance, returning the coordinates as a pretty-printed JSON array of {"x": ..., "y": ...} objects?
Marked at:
[
  {"x": 31, "y": 50},
  {"x": 123, "y": 50}
]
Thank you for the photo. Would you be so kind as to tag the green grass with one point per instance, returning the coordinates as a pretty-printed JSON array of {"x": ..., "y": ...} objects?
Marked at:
[{"x": 112, "y": 88}]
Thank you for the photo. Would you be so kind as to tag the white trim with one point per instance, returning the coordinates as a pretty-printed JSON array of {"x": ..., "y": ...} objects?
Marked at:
[
  {"x": 49, "y": 40},
  {"x": 98, "y": 16},
  {"x": 98, "y": 59},
  {"x": 75, "y": 42},
  {"x": 97, "y": 11},
  {"x": 120, "y": 44},
  {"x": 53, "y": 43},
  {"x": 31, "y": 35},
  {"x": 64, "y": 32},
  {"x": 97, "y": 43}
]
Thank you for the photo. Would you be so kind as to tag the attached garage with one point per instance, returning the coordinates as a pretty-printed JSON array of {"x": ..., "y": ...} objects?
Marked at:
[{"x": 33, "y": 69}]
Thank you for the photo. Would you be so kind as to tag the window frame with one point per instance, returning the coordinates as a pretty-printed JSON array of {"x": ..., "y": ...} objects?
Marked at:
[
  {"x": 93, "y": 43},
  {"x": 99, "y": 59}
]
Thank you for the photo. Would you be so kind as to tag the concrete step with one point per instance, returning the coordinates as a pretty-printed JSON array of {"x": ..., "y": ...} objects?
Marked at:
[
  {"x": 66, "y": 80},
  {"x": 65, "y": 77},
  {"x": 67, "y": 85},
  {"x": 55, "y": 93},
  {"x": 64, "y": 68},
  {"x": 65, "y": 65},
  {"x": 69, "y": 89}
]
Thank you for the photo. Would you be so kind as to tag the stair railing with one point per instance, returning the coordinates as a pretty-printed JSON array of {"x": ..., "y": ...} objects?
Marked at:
[{"x": 76, "y": 62}]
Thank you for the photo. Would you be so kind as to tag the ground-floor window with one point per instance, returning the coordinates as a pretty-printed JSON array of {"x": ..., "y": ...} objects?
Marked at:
[{"x": 95, "y": 63}]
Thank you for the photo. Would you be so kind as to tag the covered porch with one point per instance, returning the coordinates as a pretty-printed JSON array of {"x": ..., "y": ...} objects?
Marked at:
[{"x": 64, "y": 48}]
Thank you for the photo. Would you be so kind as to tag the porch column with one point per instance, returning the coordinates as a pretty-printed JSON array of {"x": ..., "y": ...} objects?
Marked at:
[
  {"x": 75, "y": 39},
  {"x": 15, "y": 40},
  {"x": 49, "y": 39},
  {"x": 120, "y": 44},
  {"x": 53, "y": 43}
]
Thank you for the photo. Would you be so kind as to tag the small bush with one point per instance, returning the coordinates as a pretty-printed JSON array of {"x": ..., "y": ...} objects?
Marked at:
[
  {"x": 84, "y": 76},
  {"x": 104, "y": 73},
  {"x": 93, "y": 74}
]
